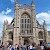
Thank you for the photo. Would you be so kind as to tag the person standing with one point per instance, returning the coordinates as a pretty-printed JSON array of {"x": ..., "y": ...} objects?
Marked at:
[
  {"x": 3, "y": 48},
  {"x": 42, "y": 47},
  {"x": 16, "y": 47},
  {"x": 12, "y": 48},
  {"x": 9, "y": 48},
  {"x": 31, "y": 47},
  {"x": 34, "y": 48},
  {"x": 27, "y": 47},
  {"x": 23, "y": 47}
]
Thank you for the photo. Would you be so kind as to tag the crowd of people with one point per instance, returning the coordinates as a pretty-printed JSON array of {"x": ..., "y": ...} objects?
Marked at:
[
  {"x": 22, "y": 47},
  {"x": 32, "y": 46}
]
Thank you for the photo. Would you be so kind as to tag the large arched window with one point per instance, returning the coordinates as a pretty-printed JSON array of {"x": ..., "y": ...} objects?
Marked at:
[
  {"x": 11, "y": 35},
  {"x": 26, "y": 24},
  {"x": 10, "y": 41},
  {"x": 40, "y": 35}
]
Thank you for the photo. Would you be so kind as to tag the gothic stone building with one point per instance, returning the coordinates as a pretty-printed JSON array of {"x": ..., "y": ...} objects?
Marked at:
[{"x": 24, "y": 28}]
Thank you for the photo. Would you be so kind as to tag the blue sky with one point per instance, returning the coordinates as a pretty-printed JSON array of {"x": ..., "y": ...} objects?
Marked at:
[{"x": 7, "y": 11}]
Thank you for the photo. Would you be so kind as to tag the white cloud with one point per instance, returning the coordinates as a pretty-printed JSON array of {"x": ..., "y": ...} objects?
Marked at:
[
  {"x": 3, "y": 12},
  {"x": 8, "y": 10},
  {"x": 12, "y": 0},
  {"x": 44, "y": 16},
  {"x": 4, "y": 16},
  {"x": 48, "y": 11}
]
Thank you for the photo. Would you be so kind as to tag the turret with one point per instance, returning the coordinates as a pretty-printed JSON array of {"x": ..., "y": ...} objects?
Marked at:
[
  {"x": 5, "y": 25},
  {"x": 32, "y": 5},
  {"x": 6, "y": 22},
  {"x": 45, "y": 30},
  {"x": 16, "y": 5},
  {"x": 33, "y": 9},
  {"x": 44, "y": 25},
  {"x": 33, "y": 13}
]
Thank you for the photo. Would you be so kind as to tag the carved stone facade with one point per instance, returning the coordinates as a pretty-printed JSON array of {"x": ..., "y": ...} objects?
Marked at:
[{"x": 24, "y": 28}]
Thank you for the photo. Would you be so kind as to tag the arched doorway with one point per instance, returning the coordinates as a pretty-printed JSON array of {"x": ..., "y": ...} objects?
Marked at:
[
  {"x": 10, "y": 38},
  {"x": 40, "y": 37},
  {"x": 26, "y": 41}
]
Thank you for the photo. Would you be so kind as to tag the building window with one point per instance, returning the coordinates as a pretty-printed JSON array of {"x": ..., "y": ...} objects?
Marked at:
[
  {"x": 40, "y": 35},
  {"x": 28, "y": 20},
  {"x": 11, "y": 35},
  {"x": 25, "y": 20},
  {"x": 22, "y": 25},
  {"x": 26, "y": 23},
  {"x": 22, "y": 20}
]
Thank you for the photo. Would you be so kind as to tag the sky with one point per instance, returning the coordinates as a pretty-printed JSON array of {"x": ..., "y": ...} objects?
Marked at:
[{"x": 7, "y": 11}]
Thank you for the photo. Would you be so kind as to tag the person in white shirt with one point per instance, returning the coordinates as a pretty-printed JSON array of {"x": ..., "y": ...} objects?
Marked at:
[
  {"x": 9, "y": 48},
  {"x": 16, "y": 47},
  {"x": 31, "y": 47},
  {"x": 42, "y": 47}
]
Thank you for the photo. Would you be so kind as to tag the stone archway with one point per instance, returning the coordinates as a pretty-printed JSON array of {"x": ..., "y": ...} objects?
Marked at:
[
  {"x": 10, "y": 38},
  {"x": 26, "y": 41},
  {"x": 25, "y": 25},
  {"x": 40, "y": 37}
]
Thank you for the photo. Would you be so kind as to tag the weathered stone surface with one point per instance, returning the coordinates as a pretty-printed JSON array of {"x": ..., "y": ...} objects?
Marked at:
[{"x": 24, "y": 13}]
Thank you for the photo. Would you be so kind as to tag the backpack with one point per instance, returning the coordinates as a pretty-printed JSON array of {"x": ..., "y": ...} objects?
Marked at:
[
  {"x": 12, "y": 48},
  {"x": 18, "y": 46}
]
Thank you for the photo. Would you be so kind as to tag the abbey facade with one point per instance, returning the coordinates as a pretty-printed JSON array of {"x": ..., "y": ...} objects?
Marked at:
[{"x": 24, "y": 28}]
